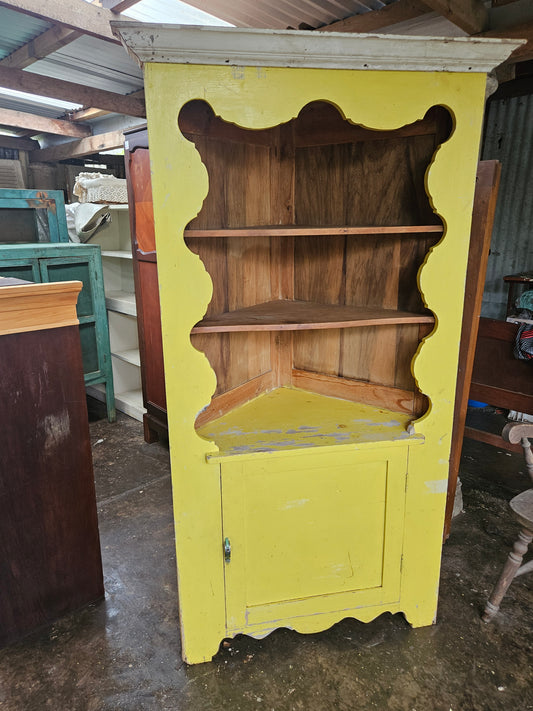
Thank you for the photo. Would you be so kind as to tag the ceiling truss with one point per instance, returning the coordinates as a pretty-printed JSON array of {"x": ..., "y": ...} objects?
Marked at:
[{"x": 69, "y": 21}]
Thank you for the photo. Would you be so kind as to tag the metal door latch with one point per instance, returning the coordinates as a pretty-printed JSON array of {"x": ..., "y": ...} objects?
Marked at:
[{"x": 227, "y": 550}]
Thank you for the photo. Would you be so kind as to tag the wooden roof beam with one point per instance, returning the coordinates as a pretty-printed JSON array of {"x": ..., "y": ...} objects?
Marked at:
[
  {"x": 523, "y": 30},
  {"x": 370, "y": 21},
  {"x": 16, "y": 143},
  {"x": 79, "y": 148},
  {"x": 470, "y": 15},
  {"x": 87, "y": 114},
  {"x": 91, "y": 113},
  {"x": 69, "y": 91},
  {"x": 41, "y": 124},
  {"x": 84, "y": 17},
  {"x": 40, "y": 47}
]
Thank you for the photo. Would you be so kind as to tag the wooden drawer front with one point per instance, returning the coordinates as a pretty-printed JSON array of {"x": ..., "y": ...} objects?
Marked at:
[{"x": 312, "y": 533}]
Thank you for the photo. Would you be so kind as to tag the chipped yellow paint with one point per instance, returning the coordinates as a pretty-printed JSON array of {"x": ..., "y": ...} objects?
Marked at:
[
  {"x": 287, "y": 419},
  {"x": 307, "y": 535},
  {"x": 255, "y": 99}
]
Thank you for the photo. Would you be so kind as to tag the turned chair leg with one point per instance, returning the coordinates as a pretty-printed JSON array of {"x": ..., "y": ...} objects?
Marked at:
[{"x": 509, "y": 571}]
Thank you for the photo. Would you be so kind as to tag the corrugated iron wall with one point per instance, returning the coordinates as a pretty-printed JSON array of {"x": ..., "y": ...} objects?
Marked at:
[{"x": 509, "y": 139}]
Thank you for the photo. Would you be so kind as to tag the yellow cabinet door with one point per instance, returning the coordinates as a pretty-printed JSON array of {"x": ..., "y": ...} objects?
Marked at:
[{"x": 307, "y": 534}]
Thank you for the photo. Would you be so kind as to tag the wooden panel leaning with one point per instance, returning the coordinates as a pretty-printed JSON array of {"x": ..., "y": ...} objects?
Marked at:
[{"x": 487, "y": 184}]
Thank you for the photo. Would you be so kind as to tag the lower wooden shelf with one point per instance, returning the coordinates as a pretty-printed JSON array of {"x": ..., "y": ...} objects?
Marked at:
[
  {"x": 289, "y": 418},
  {"x": 121, "y": 301},
  {"x": 130, "y": 401}
]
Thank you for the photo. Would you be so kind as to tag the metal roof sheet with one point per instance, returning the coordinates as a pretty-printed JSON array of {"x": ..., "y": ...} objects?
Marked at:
[
  {"x": 92, "y": 62},
  {"x": 28, "y": 103},
  {"x": 16, "y": 29},
  {"x": 172, "y": 11},
  {"x": 280, "y": 14}
]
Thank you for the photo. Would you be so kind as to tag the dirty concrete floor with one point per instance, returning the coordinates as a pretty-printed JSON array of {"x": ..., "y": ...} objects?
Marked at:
[{"x": 123, "y": 654}]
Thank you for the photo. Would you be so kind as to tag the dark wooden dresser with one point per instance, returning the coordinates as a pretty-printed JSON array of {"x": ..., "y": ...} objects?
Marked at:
[{"x": 50, "y": 561}]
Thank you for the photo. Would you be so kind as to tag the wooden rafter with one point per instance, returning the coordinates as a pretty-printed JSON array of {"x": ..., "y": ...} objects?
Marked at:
[
  {"x": 470, "y": 15},
  {"x": 87, "y": 114},
  {"x": 69, "y": 91},
  {"x": 524, "y": 30},
  {"x": 85, "y": 17},
  {"x": 40, "y": 47},
  {"x": 16, "y": 143},
  {"x": 41, "y": 124},
  {"x": 92, "y": 113},
  {"x": 370, "y": 21},
  {"x": 79, "y": 148}
]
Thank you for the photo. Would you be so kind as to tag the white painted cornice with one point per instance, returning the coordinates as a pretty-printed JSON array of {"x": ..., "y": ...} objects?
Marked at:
[{"x": 187, "y": 44}]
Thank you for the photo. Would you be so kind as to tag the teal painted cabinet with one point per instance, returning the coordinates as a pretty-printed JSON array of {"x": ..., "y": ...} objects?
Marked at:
[
  {"x": 32, "y": 216},
  {"x": 67, "y": 262}
]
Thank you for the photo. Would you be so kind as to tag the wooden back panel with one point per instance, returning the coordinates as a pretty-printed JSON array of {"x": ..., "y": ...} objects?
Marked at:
[
  {"x": 239, "y": 195},
  {"x": 374, "y": 180},
  {"x": 317, "y": 170}
]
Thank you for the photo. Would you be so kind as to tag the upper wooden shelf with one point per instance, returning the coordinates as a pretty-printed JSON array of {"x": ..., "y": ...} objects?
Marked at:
[
  {"x": 302, "y": 231},
  {"x": 285, "y": 315}
]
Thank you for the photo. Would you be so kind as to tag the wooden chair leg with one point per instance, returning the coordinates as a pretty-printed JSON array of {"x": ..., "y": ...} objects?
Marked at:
[{"x": 510, "y": 568}]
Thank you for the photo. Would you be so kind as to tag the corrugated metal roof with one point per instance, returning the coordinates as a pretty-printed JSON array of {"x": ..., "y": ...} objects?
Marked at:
[
  {"x": 172, "y": 11},
  {"x": 16, "y": 29},
  {"x": 431, "y": 24},
  {"x": 509, "y": 139},
  {"x": 280, "y": 14},
  {"x": 28, "y": 104},
  {"x": 103, "y": 65},
  {"x": 92, "y": 62}
]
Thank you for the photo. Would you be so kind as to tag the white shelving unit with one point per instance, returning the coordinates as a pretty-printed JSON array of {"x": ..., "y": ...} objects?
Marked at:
[{"x": 114, "y": 239}]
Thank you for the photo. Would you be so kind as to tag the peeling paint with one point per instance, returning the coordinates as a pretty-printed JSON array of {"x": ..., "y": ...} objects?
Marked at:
[
  {"x": 439, "y": 486},
  {"x": 294, "y": 504}
]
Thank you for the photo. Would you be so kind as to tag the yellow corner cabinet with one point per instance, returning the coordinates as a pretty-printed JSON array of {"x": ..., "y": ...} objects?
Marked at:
[{"x": 312, "y": 200}]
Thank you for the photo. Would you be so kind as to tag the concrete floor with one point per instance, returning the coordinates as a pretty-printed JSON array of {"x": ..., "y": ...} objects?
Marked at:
[{"x": 123, "y": 654}]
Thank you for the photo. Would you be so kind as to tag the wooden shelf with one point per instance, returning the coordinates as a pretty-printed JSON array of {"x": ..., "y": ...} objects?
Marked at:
[
  {"x": 284, "y": 315},
  {"x": 130, "y": 402},
  {"x": 117, "y": 253},
  {"x": 302, "y": 231},
  {"x": 129, "y": 356},
  {"x": 290, "y": 418},
  {"x": 122, "y": 302}
]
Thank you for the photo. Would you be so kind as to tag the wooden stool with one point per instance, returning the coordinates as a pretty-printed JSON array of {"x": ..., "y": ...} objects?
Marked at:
[{"x": 522, "y": 508}]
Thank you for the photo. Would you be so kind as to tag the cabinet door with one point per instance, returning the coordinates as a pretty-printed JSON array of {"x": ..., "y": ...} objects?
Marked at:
[
  {"x": 78, "y": 269},
  {"x": 312, "y": 534},
  {"x": 27, "y": 269}
]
